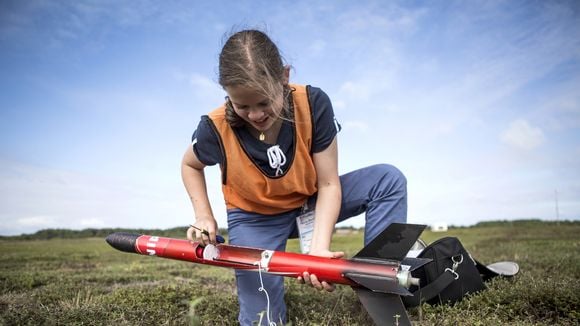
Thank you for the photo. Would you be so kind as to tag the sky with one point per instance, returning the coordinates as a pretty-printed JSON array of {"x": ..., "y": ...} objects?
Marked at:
[{"x": 476, "y": 102}]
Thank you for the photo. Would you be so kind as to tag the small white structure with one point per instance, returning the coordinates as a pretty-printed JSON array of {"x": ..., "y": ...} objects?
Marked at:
[{"x": 439, "y": 227}]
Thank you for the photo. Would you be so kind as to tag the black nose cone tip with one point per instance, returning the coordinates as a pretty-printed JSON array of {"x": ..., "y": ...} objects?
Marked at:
[{"x": 123, "y": 241}]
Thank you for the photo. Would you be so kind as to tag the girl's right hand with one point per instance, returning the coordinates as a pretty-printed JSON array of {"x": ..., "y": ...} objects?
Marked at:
[
  {"x": 311, "y": 279},
  {"x": 208, "y": 224}
]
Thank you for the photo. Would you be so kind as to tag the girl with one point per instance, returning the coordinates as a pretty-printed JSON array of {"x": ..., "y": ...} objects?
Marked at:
[{"x": 276, "y": 146}]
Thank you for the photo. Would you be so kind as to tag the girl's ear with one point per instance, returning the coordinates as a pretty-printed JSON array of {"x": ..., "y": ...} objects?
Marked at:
[{"x": 286, "y": 75}]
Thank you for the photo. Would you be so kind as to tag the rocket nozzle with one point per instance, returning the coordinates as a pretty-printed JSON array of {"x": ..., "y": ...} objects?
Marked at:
[
  {"x": 405, "y": 279},
  {"x": 414, "y": 281}
]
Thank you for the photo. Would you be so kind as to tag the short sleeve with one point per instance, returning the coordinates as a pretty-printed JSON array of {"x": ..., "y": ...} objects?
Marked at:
[
  {"x": 326, "y": 127},
  {"x": 205, "y": 143}
]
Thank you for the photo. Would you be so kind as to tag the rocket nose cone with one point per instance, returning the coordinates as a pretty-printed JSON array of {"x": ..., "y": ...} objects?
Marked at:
[{"x": 123, "y": 241}]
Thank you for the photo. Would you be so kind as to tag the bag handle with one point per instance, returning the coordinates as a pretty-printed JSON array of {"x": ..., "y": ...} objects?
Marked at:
[
  {"x": 432, "y": 290},
  {"x": 444, "y": 280}
]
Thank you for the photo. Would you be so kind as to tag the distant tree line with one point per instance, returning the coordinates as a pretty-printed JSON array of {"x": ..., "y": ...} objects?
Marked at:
[
  {"x": 522, "y": 222},
  {"x": 46, "y": 234},
  {"x": 179, "y": 232}
]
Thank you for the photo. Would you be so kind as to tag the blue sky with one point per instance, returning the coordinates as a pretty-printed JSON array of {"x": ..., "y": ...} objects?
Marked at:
[{"x": 477, "y": 102}]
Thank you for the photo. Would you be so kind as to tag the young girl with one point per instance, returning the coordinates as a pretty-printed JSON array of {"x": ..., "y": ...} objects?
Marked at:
[{"x": 276, "y": 146}]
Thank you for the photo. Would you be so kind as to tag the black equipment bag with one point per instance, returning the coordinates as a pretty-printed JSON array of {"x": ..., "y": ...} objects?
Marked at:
[{"x": 452, "y": 274}]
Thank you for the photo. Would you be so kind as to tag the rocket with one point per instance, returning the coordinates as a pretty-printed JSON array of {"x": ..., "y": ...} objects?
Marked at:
[{"x": 379, "y": 273}]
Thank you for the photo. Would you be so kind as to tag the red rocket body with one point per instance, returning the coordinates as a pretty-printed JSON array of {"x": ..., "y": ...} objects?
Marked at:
[
  {"x": 379, "y": 272},
  {"x": 273, "y": 262}
]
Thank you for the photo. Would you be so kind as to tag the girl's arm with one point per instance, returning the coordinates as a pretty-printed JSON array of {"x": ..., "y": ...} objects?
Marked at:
[
  {"x": 193, "y": 178},
  {"x": 327, "y": 210},
  {"x": 329, "y": 198}
]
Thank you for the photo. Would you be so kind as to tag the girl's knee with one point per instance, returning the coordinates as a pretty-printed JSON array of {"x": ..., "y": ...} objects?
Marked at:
[{"x": 391, "y": 174}]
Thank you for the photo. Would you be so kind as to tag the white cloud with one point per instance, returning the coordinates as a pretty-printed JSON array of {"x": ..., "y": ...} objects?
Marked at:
[
  {"x": 356, "y": 125},
  {"x": 356, "y": 90},
  {"x": 520, "y": 134},
  {"x": 92, "y": 222},
  {"x": 205, "y": 87},
  {"x": 201, "y": 81},
  {"x": 317, "y": 47},
  {"x": 338, "y": 105},
  {"x": 35, "y": 222},
  {"x": 34, "y": 198},
  {"x": 390, "y": 17},
  {"x": 562, "y": 112}
]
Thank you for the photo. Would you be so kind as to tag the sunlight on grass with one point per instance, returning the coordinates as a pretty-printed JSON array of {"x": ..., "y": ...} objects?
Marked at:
[{"x": 84, "y": 281}]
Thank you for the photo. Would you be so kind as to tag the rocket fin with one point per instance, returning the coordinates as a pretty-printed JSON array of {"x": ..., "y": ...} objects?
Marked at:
[
  {"x": 393, "y": 243},
  {"x": 378, "y": 283},
  {"x": 384, "y": 308},
  {"x": 415, "y": 263}
]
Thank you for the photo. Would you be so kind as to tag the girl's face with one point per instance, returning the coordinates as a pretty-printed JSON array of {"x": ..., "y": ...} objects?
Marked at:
[{"x": 252, "y": 106}]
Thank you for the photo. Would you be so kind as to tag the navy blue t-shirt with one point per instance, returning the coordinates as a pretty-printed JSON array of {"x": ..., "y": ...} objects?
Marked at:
[{"x": 207, "y": 148}]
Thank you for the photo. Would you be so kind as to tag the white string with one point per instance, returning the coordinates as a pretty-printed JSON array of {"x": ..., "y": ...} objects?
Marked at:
[
  {"x": 276, "y": 158},
  {"x": 262, "y": 289}
]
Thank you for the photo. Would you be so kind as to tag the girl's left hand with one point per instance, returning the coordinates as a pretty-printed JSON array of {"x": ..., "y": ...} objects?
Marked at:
[{"x": 311, "y": 279}]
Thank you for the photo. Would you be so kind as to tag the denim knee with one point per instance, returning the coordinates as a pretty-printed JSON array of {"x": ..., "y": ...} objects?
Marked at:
[{"x": 389, "y": 179}]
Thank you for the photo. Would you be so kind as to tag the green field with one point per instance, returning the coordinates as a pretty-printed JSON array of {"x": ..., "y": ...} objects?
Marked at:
[{"x": 86, "y": 282}]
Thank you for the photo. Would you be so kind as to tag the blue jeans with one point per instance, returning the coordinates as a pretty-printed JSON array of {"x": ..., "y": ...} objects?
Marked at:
[{"x": 378, "y": 190}]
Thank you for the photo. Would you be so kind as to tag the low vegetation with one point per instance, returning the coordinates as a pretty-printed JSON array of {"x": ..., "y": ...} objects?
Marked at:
[{"x": 83, "y": 281}]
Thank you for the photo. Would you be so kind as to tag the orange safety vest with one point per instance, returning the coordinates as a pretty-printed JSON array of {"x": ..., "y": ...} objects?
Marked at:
[{"x": 243, "y": 183}]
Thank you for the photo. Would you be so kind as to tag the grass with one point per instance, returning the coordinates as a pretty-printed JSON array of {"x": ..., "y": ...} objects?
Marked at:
[{"x": 86, "y": 282}]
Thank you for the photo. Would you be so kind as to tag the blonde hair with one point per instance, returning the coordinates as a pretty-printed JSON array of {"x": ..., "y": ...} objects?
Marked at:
[{"x": 249, "y": 58}]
